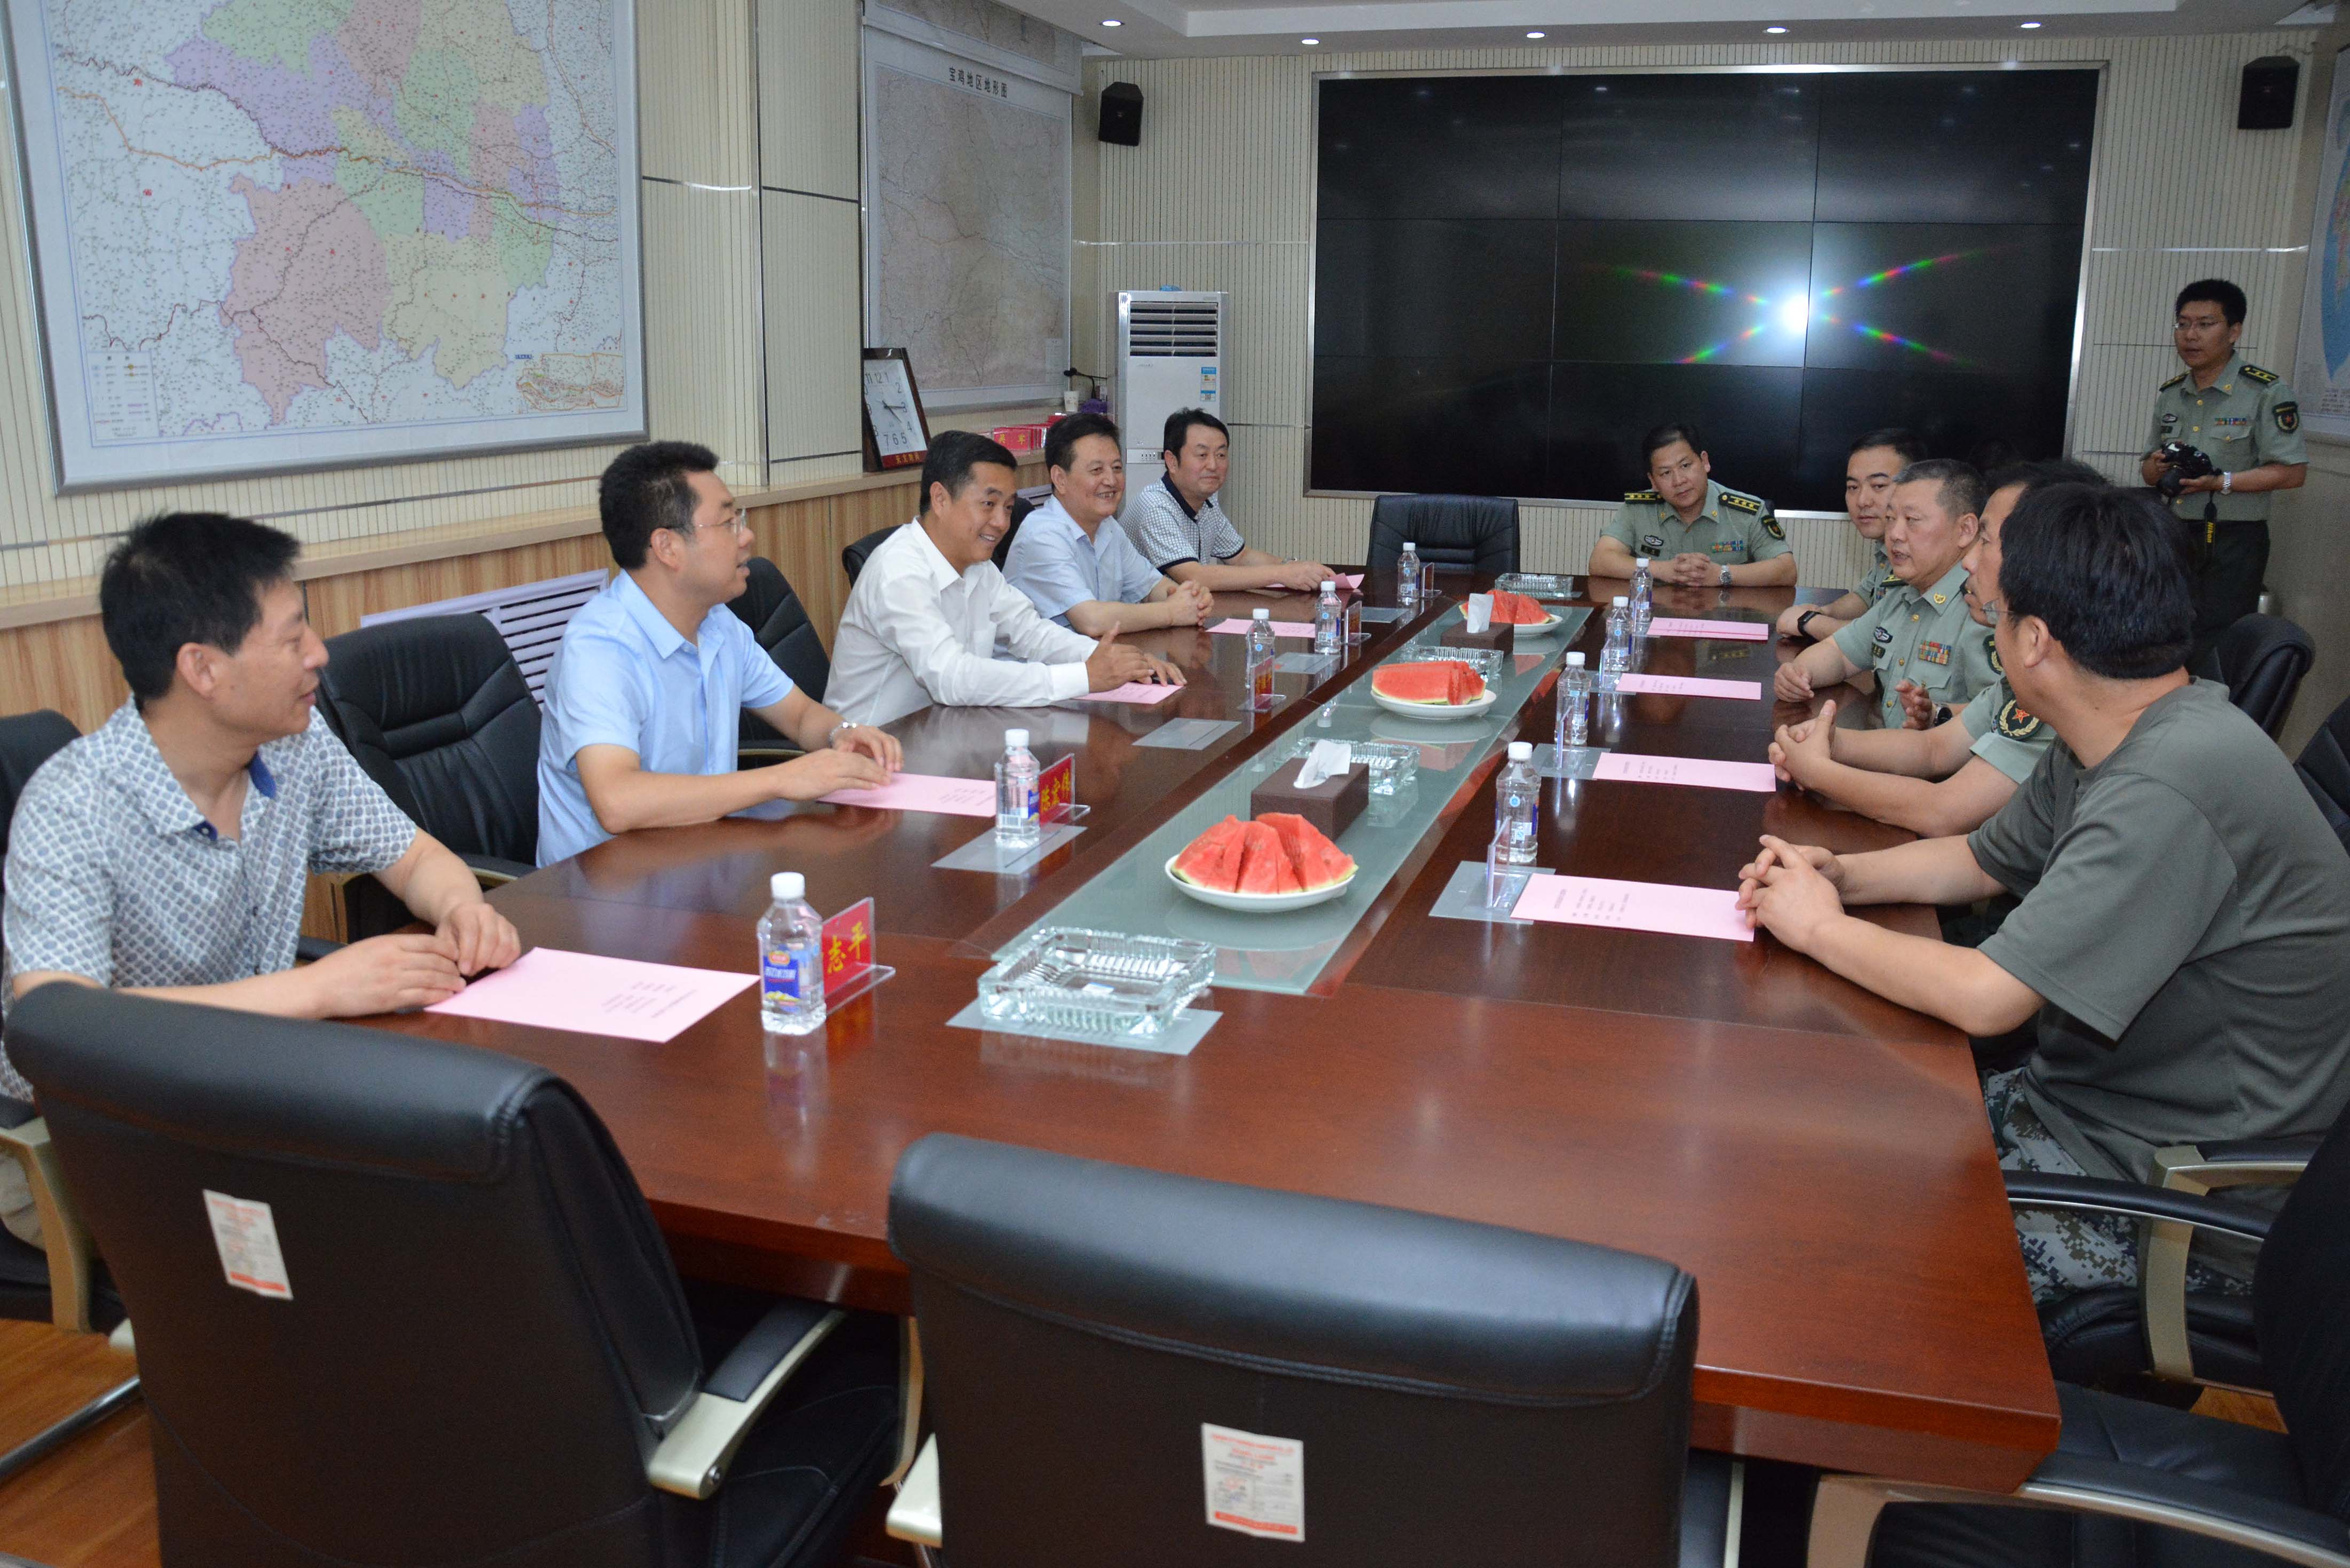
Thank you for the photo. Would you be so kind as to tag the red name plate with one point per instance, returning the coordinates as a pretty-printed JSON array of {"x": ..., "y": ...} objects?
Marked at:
[
  {"x": 1056, "y": 789},
  {"x": 848, "y": 943}
]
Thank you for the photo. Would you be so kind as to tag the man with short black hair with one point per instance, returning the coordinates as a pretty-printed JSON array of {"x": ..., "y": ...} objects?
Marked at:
[
  {"x": 1073, "y": 559},
  {"x": 1919, "y": 633},
  {"x": 1180, "y": 528},
  {"x": 2248, "y": 423},
  {"x": 2184, "y": 933},
  {"x": 641, "y": 701},
  {"x": 1692, "y": 531},
  {"x": 165, "y": 853},
  {"x": 922, "y": 623},
  {"x": 1869, "y": 469}
]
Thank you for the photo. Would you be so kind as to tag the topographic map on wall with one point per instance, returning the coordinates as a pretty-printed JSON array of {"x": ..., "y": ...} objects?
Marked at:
[
  {"x": 2323, "y": 369},
  {"x": 967, "y": 187},
  {"x": 277, "y": 233}
]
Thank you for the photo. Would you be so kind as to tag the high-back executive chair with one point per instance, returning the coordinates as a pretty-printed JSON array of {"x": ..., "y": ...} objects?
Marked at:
[
  {"x": 401, "y": 1303},
  {"x": 2324, "y": 768},
  {"x": 854, "y": 555},
  {"x": 2139, "y": 1485},
  {"x": 1474, "y": 533},
  {"x": 1462, "y": 1394},
  {"x": 2261, "y": 660},
  {"x": 780, "y": 623}
]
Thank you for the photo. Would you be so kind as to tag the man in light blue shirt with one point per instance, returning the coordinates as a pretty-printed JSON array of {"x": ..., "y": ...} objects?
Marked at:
[
  {"x": 643, "y": 696},
  {"x": 1075, "y": 562}
]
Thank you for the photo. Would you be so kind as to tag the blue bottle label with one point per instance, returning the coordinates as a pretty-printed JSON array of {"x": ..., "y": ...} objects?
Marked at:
[{"x": 779, "y": 975}]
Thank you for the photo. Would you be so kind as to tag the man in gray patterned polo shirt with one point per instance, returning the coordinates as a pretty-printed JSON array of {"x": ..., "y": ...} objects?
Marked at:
[
  {"x": 166, "y": 851},
  {"x": 1182, "y": 530}
]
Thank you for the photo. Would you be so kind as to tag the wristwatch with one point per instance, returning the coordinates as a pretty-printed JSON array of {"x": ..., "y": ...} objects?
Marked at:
[
  {"x": 1943, "y": 714},
  {"x": 839, "y": 730},
  {"x": 1804, "y": 621},
  {"x": 2227, "y": 484},
  {"x": 1725, "y": 576}
]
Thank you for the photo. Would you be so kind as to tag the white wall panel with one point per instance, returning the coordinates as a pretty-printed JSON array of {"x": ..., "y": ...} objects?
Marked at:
[
  {"x": 702, "y": 323},
  {"x": 807, "y": 96},
  {"x": 814, "y": 344}
]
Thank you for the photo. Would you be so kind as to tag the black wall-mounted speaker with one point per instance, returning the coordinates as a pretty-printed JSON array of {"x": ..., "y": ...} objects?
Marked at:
[
  {"x": 1121, "y": 113},
  {"x": 2266, "y": 101}
]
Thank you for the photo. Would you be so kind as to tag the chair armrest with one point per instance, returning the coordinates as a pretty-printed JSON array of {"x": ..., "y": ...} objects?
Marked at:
[
  {"x": 760, "y": 756},
  {"x": 692, "y": 1459},
  {"x": 62, "y": 1235},
  {"x": 2236, "y": 1162},
  {"x": 311, "y": 950},
  {"x": 491, "y": 871},
  {"x": 2033, "y": 1189},
  {"x": 2196, "y": 1169},
  {"x": 914, "y": 1515}
]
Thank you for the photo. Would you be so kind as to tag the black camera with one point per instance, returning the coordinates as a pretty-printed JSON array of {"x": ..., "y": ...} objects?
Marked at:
[{"x": 2180, "y": 463}]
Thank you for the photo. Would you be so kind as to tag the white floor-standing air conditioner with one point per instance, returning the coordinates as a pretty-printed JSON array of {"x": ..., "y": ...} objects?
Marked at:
[{"x": 1171, "y": 356}]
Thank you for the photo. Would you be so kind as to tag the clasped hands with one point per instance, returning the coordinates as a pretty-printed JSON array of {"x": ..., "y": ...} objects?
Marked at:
[{"x": 1791, "y": 890}]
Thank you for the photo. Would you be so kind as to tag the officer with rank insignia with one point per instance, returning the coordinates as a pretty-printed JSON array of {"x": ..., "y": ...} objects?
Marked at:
[
  {"x": 1919, "y": 632},
  {"x": 2247, "y": 424},
  {"x": 1692, "y": 531},
  {"x": 1869, "y": 472}
]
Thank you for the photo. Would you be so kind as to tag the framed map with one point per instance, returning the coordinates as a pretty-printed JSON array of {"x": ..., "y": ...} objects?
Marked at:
[
  {"x": 967, "y": 205},
  {"x": 272, "y": 235}
]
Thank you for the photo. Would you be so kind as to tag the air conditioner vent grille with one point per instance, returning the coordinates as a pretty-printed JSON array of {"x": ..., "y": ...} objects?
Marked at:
[{"x": 1173, "y": 328}]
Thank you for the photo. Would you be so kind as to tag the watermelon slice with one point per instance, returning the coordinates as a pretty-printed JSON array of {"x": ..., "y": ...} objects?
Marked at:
[
  {"x": 1214, "y": 860},
  {"x": 1516, "y": 610},
  {"x": 1319, "y": 863},
  {"x": 1264, "y": 868},
  {"x": 1444, "y": 681}
]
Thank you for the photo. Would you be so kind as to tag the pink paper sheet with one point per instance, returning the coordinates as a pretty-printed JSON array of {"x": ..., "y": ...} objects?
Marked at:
[
  {"x": 1697, "y": 772},
  {"x": 1351, "y": 580},
  {"x": 1304, "y": 628},
  {"x": 1634, "y": 907},
  {"x": 1678, "y": 626},
  {"x": 923, "y": 791},
  {"x": 1688, "y": 686},
  {"x": 1143, "y": 692},
  {"x": 549, "y": 987}
]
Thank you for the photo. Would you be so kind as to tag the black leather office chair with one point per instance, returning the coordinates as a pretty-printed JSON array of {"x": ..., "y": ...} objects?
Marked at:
[
  {"x": 2261, "y": 660},
  {"x": 27, "y": 741},
  {"x": 780, "y": 622},
  {"x": 2138, "y": 1485},
  {"x": 1020, "y": 508},
  {"x": 2324, "y": 768},
  {"x": 437, "y": 712},
  {"x": 1475, "y": 532},
  {"x": 854, "y": 556},
  {"x": 1463, "y": 1394},
  {"x": 479, "y": 1352}
]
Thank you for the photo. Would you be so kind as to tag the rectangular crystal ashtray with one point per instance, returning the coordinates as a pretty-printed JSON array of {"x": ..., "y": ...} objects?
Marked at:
[
  {"x": 1392, "y": 765},
  {"x": 1486, "y": 661},
  {"x": 1098, "y": 982},
  {"x": 1536, "y": 583}
]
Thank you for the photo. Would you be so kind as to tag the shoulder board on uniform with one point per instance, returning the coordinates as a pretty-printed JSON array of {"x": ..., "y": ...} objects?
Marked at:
[
  {"x": 2265, "y": 378},
  {"x": 1743, "y": 501},
  {"x": 1642, "y": 495},
  {"x": 2172, "y": 382}
]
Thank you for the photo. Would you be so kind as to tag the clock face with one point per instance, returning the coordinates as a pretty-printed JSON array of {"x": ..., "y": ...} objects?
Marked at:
[{"x": 889, "y": 405}]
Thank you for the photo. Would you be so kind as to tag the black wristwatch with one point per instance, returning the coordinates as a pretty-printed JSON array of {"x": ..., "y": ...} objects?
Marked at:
[
  {"x": 1804, "y": 621},
  {"x": 1943, "y": 714}
]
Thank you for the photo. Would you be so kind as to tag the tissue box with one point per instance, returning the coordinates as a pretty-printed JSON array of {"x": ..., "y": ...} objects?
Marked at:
[
  {"x": 1503, "y": 638},
  {"x": 1331, "y": 805}
]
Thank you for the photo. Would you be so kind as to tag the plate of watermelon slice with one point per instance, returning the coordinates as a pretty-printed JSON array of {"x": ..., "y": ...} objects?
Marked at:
[
  {"x": 1438, "y": 689},
  {"x": 1529, "y": 617},
  {"x": 1280, "y": 861}
]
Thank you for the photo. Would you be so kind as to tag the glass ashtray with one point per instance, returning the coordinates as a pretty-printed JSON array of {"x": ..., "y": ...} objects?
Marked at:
[
  {"x": 1536, "y": 584},
  {"x": 1485, "y": 661},
  {"x": 1097, "y": 982}
]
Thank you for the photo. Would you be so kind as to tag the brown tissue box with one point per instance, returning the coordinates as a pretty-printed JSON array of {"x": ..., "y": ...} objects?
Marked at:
[
  {"x": 1504, "y": 637},
  {"x": 1330, "y": 806}
]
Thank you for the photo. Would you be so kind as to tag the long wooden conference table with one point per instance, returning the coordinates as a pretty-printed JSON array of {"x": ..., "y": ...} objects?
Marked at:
[{"x": 1817, "y": 1157}]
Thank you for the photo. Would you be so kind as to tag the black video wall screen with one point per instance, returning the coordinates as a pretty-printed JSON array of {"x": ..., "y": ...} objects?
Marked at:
[{"x": 1516, "y": 276}]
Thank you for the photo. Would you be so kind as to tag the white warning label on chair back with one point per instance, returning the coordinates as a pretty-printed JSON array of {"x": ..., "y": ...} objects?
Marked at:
[
  {"x": 247, "y": 1238},
  {"x": 1256, "y": 1484}
]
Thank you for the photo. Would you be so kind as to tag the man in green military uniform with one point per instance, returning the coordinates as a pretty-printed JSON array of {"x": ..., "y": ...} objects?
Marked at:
[
  {"x": 1692, "y": 531},
  {"x": 1868, "y": 473},
  {"x": 1919, "y": 632},
  {"x": 2248, "y": 423}
]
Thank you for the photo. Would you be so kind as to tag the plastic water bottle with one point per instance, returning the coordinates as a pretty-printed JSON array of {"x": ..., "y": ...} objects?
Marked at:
[
  {"x": 1329, "y": 632},
  {"x": 1515, "y": 799},
  {"x": 1642, "y": 595},
  {"x": 1573, "y": 708},
  {"x": 1016, "y": 825},
  {"x": 1260, "y": 659},
  {"x": 791, "y": 959},
  {"x": 1408, "y": 576},
  {"x": 1615, "y": 654}
]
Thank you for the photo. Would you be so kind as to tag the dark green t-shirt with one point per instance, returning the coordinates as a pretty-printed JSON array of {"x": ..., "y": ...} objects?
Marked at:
[{"x": 2186, "y": 915}]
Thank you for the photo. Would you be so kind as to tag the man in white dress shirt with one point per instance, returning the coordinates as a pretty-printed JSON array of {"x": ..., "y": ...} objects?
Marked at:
[
  {"x": 922, "y": 624},
  {"x": 1073, "y": 559}
]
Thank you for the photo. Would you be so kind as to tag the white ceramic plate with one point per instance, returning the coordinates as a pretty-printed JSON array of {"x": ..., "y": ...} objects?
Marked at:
[
  {"x": 1543, "y": 628},
  {"x": 1257, "y": 903},
  {"x": 1435, "y": 710}
]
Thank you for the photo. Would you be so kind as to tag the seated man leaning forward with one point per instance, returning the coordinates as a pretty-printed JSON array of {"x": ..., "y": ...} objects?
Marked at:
[
  {"x": 1072, "y": 557},
  {"x": 641, "y": 701},
  {"x": 1180, "y": 528},
  {"x": 1869, "y": 470},
  {"x": 922, "y": 623},
  {"x": 2184, "y": 934},
  {"x": 165, "y": 852},
  {"x": 1694, "y": 532},
  {"x": 1945, "y": 772},
  {"x": 1919, "y": 633}
]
